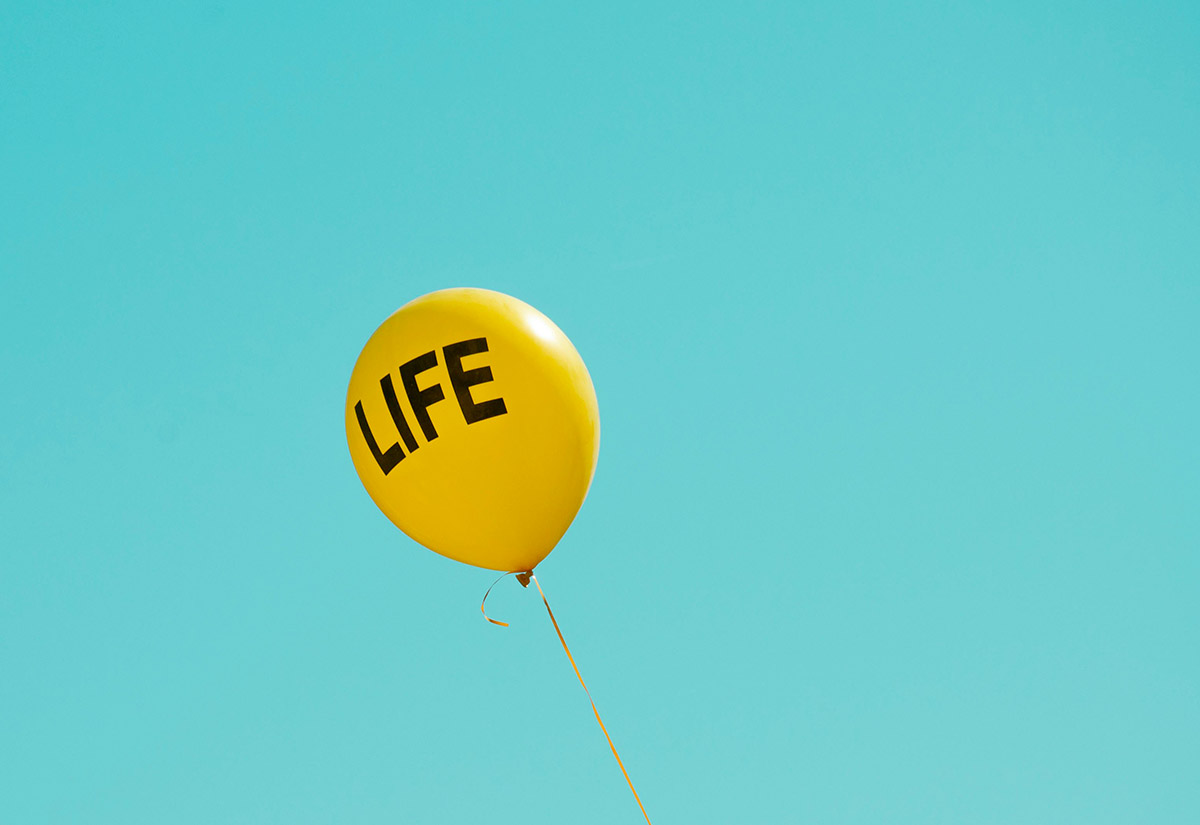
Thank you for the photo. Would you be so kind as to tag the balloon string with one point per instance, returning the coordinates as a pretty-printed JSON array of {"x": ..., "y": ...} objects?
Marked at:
[
  {"x": 483, "y": 603},
  {"x": 524, "y": 579}
]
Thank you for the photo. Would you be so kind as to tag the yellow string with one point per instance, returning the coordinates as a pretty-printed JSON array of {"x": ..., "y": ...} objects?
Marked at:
[{"x": 524, "y": 579}]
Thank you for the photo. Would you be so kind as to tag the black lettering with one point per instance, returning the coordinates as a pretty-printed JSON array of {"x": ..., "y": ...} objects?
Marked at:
[
  {"x": 389, "y": 395},
  {"x": 420, "y": 399},
  {"x": 386, "y": 461},
  {"x": 462, "y": 380}
]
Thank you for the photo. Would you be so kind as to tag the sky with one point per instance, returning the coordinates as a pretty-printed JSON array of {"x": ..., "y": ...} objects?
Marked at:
[{"x": 892, "y": 314}]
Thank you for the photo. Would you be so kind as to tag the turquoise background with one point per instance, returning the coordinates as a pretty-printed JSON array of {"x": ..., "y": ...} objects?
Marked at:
[{"x": 892, "y": 310}]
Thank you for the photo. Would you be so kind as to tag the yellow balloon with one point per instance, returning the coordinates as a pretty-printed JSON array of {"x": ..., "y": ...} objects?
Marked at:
[{"x": 473, "y": 424}]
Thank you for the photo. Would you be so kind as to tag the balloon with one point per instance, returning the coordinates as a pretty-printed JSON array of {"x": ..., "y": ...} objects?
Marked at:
[{"x": 473, "y": 424}]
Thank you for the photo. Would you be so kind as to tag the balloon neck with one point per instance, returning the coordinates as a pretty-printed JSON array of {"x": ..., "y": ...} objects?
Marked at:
[{"x": 523, "y": 578}]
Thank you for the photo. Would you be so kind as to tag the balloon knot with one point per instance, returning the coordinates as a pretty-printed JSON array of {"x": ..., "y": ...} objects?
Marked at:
[{"x": 523, "y": 578}]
